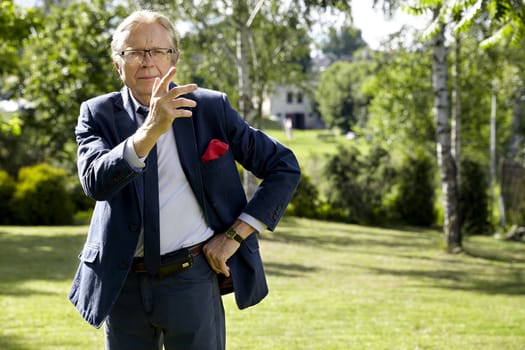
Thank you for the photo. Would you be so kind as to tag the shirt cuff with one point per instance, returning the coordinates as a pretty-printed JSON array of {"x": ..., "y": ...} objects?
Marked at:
[
  {"x": 131, "y": 156},
  {"x": 258, "y": 225}
]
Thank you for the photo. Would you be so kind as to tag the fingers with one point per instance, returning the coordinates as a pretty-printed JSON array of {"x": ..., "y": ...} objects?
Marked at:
[
  {"x": 164, "y": 83},
  {"x": 217, "y": 251},
  {"x": 181, "y": 90},
  {"x": 221, "y": 267}
]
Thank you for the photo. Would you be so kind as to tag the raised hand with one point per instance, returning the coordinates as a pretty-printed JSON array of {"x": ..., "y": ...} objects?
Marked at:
[{"x": 166, "y": 105}]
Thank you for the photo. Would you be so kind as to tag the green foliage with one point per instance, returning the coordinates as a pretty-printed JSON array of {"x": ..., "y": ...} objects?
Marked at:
[
  {"x": 415, "y": 195},
  {"x": 343, "y": 42},
  {"x": 474, "y": 201},
  {"x": 7, "y": 189},
  {"x": 400, "y": 111},
  {"x": 15, "y": 26},
  {"x": 41, "y": 197},
  {"x": 358, "y": 183},
  {"x": 65, "y": 63},
  {"x": 339, "y": 94},
  {"x": 305, "y": 200}
]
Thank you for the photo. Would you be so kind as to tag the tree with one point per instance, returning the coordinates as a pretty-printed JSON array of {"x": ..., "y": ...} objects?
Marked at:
[
  {"x": 339, "y": 94},
  {"x": 343, "y": 42},
  {"x": 507, "y": 17},
  {"x": 400, "y": 110},
  {"x": 15, "y": 27},
  {"x": 65, "y": 63}
]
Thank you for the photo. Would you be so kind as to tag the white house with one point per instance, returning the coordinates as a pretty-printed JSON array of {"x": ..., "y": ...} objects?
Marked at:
[{"x": 289, "y": 103}]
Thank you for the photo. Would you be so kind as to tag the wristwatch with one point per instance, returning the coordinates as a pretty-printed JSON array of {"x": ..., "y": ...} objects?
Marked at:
[{"x": 232, "y": 234}]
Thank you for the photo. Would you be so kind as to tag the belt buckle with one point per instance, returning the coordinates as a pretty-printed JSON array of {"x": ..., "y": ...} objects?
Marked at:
[{"x": 175, "y": 263}]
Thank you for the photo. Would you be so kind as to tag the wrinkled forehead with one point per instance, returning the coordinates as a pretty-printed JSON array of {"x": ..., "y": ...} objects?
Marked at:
[{"x": 143, "y": 36}]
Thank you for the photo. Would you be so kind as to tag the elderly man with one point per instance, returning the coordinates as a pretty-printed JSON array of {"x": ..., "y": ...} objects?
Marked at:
[{"x": 171, "y": 217}]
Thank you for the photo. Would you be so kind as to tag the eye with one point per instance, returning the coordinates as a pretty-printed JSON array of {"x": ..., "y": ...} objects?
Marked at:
[
  {"x": 158, "y": 52},
  {"x": 135, "y": 54}
]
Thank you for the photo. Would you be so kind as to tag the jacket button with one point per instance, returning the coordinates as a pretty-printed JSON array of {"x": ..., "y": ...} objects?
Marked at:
[{"x": 133, "y": 227}]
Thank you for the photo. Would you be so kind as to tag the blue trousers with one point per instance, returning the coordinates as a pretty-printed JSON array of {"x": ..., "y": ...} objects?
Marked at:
[{"x": 183, "y": 311}]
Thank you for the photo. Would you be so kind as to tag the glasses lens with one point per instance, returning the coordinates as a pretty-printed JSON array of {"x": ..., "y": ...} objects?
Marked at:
[{"x": 137, "y": 56}]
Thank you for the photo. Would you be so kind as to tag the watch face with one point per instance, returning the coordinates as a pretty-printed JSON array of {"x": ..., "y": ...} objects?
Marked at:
[{"x": 232, "y": 234}]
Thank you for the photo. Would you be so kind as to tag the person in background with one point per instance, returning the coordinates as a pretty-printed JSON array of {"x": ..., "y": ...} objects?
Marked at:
[{"x": 171, "y": 219}]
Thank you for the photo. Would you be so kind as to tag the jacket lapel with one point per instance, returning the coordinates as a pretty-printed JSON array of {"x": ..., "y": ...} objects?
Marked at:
[{"x": 126, "y": 126}]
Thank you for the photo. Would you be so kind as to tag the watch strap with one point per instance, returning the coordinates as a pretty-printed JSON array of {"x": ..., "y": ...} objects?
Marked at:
[{"x": 232, "y": 234}]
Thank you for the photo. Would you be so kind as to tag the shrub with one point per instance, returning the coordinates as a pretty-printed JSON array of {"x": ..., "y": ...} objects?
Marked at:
[
  {"x": 7, "y": 188},
  {"x": 41, "y": 197},
  {"x": 305, "y": 201},
  {"x": 473, "y": 200},
  {"x": 358, "y": 182},
  {"x": 415, "y": 192}
]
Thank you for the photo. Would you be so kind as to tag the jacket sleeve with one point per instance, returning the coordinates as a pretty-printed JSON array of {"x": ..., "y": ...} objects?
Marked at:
[
  {"x": 268, "y": 160},
  {"x": 102, "y": 168}
]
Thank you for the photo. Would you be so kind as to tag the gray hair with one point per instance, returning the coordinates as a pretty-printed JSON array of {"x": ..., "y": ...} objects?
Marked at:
[{"x": 143, "y": 16}]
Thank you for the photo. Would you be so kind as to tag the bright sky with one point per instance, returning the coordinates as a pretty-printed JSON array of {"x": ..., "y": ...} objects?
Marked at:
[{"x": 374, "y": 27}]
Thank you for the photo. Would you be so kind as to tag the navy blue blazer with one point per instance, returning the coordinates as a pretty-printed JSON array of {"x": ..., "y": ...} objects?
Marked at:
[{"x": 105, "y": 122}]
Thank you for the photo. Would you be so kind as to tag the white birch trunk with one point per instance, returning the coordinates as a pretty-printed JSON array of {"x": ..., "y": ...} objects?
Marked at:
[
  {"x": 446, "y": 162},
  {"x": 244, "y": 78}
]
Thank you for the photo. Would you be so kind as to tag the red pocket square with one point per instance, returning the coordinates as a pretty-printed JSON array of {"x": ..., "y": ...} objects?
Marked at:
[{"x": 216, "y": 148}]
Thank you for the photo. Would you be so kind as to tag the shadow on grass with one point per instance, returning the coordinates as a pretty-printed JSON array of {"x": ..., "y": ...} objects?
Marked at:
[
  {"x": 288, "y": 270},
  {"x": 496, "y": 256},
  {"x": 25, "y": 257},
  {"x": 510, "y": 281},
  {"x": 354, "y": 236},
  {"x": 9, "y": 343},
  {"x": 486, "y": 266}
]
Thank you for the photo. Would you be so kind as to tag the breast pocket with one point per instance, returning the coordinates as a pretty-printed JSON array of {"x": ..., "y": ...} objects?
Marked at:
[{"x": 223, "y": 188}]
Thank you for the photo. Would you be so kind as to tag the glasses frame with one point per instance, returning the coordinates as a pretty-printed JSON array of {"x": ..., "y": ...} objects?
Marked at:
[{"x": 136, "y": 59}]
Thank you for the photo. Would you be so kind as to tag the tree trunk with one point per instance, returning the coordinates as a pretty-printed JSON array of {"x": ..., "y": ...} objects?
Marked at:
[
  {"x": 493, "y": 105},
  {"x": 518, "y": 110},
  {"x": 446, "y": 162},
  {"x": 456, "y": 112},
  {"x": 244, "y": 78}
]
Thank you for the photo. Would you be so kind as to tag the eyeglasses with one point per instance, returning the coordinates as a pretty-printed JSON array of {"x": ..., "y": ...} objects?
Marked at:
[{"x": 138, "y": 56}]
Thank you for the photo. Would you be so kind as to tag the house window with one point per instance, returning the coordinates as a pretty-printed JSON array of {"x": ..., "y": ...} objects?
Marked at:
[
  {"x": 299, "y": 97},
  {"x": 289, "y": 97}
]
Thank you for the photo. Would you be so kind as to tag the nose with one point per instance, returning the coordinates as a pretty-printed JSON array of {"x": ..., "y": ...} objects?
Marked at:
[{"x": 147, "y": 59}]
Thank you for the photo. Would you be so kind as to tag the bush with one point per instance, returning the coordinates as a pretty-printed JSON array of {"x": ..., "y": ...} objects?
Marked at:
[
  {"x": 305, "y": 201},
  {"x": 358, "y": 183},
  {"x": 473, "y": 200},
  {"x": 7, "y": 189},
  {"x": 41, "y": 197},
  {"x": 415, "y": 194}
]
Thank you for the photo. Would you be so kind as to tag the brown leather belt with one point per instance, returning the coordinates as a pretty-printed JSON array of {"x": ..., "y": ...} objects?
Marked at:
[{"x": 167, "y": 266}]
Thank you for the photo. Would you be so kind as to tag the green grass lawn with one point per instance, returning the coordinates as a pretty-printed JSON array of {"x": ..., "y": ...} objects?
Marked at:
[
  {"x": 312, "y": 149},
  {"x": 332, "y": 286}
]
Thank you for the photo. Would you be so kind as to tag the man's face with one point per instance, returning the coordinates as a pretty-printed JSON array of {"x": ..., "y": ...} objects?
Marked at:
[{"x": 140, "y": 75}]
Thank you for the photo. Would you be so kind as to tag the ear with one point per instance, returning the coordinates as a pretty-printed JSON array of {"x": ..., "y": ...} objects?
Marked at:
[{"x": 116, "y": 63}]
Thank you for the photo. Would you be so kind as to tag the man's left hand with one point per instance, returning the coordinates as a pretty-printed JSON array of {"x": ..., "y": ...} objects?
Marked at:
[{"x": 218, "y": 250}]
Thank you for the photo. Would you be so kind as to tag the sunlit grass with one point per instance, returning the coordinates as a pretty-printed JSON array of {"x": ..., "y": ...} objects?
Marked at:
[{"x": 332, "y": 286}]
